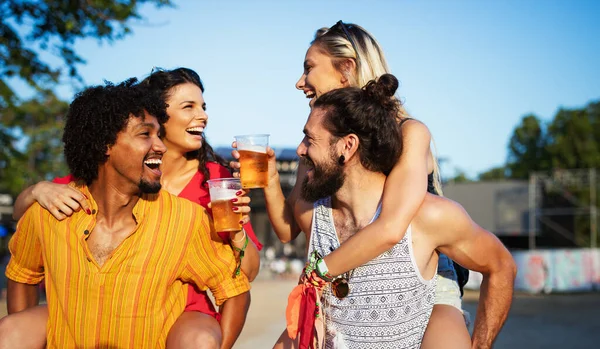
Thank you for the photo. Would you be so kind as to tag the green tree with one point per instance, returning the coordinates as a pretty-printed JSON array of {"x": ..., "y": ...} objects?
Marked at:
[
  {"x": 575, "y": 138},
  {"x": 460, "y": 177},
  {"x": 29, "y": 27},
  {"x": 495, "y": 173},
  {"x": 29, "y": 31},
  {"x": 9, "y": 158},
  {"x": 40, "y": 122},
  {"x": 527, "y": 148}
]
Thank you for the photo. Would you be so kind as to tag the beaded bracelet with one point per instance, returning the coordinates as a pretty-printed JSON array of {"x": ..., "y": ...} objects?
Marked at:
[{"x": 242, "y": 252}]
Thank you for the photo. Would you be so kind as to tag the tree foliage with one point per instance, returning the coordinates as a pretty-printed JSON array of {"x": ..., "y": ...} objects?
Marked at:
[
  {"x": 527, "y": 148},
  {"x": 495, "y": 173},
  {"x": 571, "y": 140},
  {"x": 36, "y": 153},
  {"x": 460, "y": 177},
  {"x": 31, "y": 27},
  {"x": 31, "y": 31}
]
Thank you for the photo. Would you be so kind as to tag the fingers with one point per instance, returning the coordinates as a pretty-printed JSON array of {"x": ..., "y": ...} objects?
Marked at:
[
  {"x": 62, "y": 200},
  {"x": 58, "y": 214},
  {"x": 235, "y": 166},
  {"x": 74, "y": 203},
  {"x": 83, "y": 201},
  {"x": 241, "y": 205},
  {"x": 68, "y": 208},
  {"x": 63, "y": 206},
  {"x": 245, "y": 220}
]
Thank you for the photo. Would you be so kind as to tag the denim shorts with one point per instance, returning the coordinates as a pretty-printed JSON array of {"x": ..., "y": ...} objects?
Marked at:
[{"x": 447, "y": 291}]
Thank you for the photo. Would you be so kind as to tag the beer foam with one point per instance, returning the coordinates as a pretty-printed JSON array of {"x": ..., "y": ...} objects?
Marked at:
[
  {"x": 254, "y": 148},
  {"x": 222, "y": 193}
]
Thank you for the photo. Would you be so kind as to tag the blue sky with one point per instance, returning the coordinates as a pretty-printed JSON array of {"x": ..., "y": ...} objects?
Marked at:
[{"x": 468, "y": 69}]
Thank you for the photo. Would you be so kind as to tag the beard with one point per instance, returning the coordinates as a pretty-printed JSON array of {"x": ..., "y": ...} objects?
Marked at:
[
  {"x": 149, "y": 187},
  {"x": 327, "y": 179}
]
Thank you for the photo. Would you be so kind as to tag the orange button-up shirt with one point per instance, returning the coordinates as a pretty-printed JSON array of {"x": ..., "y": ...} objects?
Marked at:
[{"x": 135, "y": 297}]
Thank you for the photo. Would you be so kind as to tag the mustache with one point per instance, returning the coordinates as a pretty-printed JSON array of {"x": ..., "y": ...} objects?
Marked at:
[
  {"x": 307, "y": 161},
  {"x": 153, "y": 155}
]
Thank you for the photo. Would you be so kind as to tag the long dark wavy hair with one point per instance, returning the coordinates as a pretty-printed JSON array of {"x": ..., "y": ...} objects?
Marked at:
[{"x": 163, "y": 81}]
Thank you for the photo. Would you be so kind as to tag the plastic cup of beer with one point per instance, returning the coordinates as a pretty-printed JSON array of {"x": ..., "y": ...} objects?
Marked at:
[
  {"x": 222, "y": 190},
  {"x": 254, "y": 166}
]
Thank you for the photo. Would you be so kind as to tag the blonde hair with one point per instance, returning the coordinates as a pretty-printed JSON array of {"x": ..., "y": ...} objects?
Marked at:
[{"x": 345, "y": 41}]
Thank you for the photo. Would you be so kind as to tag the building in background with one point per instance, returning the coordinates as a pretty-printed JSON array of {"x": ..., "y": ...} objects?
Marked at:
[{"x": 501, "y": 207}]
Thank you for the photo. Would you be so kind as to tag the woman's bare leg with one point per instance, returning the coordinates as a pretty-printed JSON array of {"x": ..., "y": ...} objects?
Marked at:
[
  {"x": 25, "y": 329},
  {"x": 195, "y": 330},
  {"x": 446, "y": 329}
]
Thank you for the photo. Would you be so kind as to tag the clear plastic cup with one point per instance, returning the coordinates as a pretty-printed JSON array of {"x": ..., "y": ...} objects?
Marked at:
[
  {"x": 222, "y": 190},
  {"x": 254, "y": 166}
]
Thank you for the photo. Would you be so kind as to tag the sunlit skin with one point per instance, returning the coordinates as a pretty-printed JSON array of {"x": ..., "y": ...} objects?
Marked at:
[
  {"x": 319, "y": 75},
  {"x": 137, "y": 156},
  {"x": 187, "y": 119},
  {"x": 315, "y": 148}
]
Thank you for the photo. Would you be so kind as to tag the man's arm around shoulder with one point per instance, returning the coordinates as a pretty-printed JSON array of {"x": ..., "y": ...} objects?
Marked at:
[{"x": 475, "y": 248}]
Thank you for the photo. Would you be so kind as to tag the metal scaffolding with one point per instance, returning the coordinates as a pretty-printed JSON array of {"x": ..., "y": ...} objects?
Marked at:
[{"x": 562, "y": 182}]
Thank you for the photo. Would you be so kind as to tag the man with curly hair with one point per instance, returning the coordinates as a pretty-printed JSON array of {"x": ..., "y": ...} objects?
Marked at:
[{"x": 115, "y": 275}]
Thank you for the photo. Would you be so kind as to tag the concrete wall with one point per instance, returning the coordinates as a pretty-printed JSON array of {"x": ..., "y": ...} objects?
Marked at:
[{"x": 501, "y": 207}]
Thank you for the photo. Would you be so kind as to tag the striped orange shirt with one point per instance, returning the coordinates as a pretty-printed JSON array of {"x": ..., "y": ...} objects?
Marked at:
[{"x": 135, "y": 297}]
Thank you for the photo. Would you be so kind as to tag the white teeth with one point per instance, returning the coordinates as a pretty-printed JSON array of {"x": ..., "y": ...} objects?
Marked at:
[
  {"x": 153, "y": 161},
  {"x": 195, "y": 129}
]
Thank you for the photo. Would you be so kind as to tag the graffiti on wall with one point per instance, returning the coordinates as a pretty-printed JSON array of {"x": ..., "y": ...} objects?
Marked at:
[{"x": 564, "y": 270}]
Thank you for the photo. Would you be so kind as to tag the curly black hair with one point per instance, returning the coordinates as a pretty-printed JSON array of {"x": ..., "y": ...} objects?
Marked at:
[
  {"x": 371, "y": 114},
  {"x": 97, "y": 115},
  {"x": 163, "y": 82}
]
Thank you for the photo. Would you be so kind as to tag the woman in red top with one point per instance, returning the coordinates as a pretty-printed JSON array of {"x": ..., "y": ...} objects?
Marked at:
[{"x": 189, "y": 162}]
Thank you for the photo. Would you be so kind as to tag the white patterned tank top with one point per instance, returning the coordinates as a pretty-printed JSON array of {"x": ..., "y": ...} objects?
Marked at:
[{"x": 389, "y": 303}]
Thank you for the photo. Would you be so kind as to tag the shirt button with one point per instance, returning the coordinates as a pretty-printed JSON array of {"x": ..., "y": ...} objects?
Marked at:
[
  {"x": 86, "y": 232},
  {"x": 93, "y": 211},
  {"x": 89, "y": 259}
]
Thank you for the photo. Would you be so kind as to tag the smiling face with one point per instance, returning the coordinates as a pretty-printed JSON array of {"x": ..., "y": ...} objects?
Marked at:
[
  {"x": 136, "y": 156},
  {"x": 318, "y": 151},
  {"x": 320, "y": 75},
  {"x": 184, "y": 131}
]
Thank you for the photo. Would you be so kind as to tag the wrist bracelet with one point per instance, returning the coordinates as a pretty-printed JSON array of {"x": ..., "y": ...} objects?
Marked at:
[
  {"x": 326, "y": 276},
  {"x": 242, "y": 238},
  {"x": 242, "y": 252}
]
